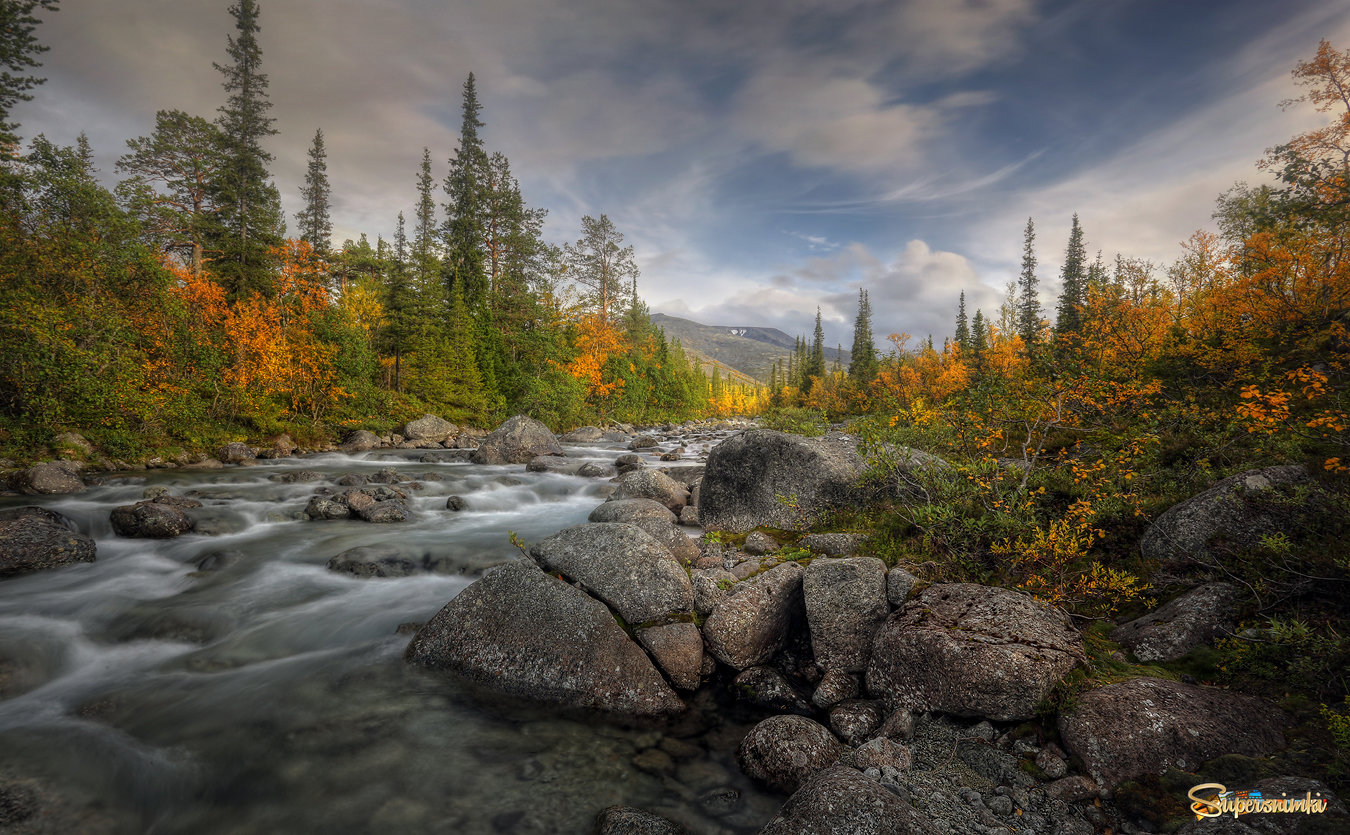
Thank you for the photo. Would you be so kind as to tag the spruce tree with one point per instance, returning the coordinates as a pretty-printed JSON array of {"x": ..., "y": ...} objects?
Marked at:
[
  {"x": 463, "y": 228},
  {"x": 1028, "y": 302},
  {"x": 1069, "y": 315},
  {"x": 862, "y": 365},
  {"x": 816, "y": 359},
  {"x": 316, "y": 226},
  {"x": 979, "y": 339},
  {"x": 400, "y": 305},
  {"x": 424, "y": 225},
  {"x": 250, "y": 218},
  {"x": 962, "y": 326}
]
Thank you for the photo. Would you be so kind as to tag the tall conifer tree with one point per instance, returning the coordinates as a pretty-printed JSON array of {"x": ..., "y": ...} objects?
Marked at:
[
  {"x": 250, "y": 216},
  {"x": 316, "y": 226},
  {"x": 962, "y": 326},
  {"x": 463, "y": 229},
  {"x": 1073, "y": 295},
  {"x": 862, "y": 365},
  {"x": 1028, "y": 301}
]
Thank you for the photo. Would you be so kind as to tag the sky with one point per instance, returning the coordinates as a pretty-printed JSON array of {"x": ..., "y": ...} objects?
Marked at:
[{"x": 764, "y": 157}]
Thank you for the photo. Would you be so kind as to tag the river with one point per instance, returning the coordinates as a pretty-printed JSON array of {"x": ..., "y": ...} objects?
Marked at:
[{"x": 230, "y": 683}]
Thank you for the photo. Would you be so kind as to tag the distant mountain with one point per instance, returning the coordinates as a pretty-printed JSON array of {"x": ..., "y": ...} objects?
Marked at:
[{"x": 749, "y": 350}]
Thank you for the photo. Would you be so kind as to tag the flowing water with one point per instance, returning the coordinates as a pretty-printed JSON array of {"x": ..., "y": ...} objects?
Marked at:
[{"x": 229, "y": 683}]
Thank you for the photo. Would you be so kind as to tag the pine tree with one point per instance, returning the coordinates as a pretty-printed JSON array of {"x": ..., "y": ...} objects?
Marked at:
[
  {"x": 962, "y": 326},
  {"x": 1028, "y": 302},
  {"x": 816, "y": 359},
  {"x": 315, "y": 225},
  {"x": 979, "y": 339},
  {"x": 862, "y": 365},
  {"x": 250, "y": 217},
  {"x": 599, "y": 262},
  {"x": 463, "y": 228},
  {"x": 445, "y": 369},
  {"x": 400, "y": 305},
  {"x": 19, "y": 49},
  {"x": 170, "y": 189},
  {"x": 1073, "y": 296},
  {"x": 424, "y": 224}
]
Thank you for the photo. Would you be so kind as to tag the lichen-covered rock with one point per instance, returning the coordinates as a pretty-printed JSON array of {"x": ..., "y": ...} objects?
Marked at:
[
  {"x": 376, "y": 561},
  {"x": 841, "y": 801},
  {"x": 972, "y": 650},
  {"x": 766, "y": 687},
  {"x": 360, "y": 440},
  {"x": 596, "y": 469},
  {"x": 51, "y": 479},
  {"x": 710, "y": 585},
  {"x": 429, "y": 428},
  {"x": 626, "y": 820},
  {"x": 517, "y": 441},
  {"x": 856, "y": 720},
  {"x": 583, "y": 435},
  {"x": 644, "y": 442},
  {"x": 783, "y": 751},
  {"x": 1174, "y": 629},
  {"x": 631, "y": 510},
  {"x": 323, "y": 507},
  {"x": 234, "y": 452},
  {"x": 832, "y": 544},
  {"x": 768, "y": 478},
  {"x": 553, "y": 464},
  {"x": 1148, "y": 725},
  {"x": 1239, "y": 510},
  {"x": 759, "y": 543},
  {"x": 35, "y": 539},
  {"x": 622, "y": 565},
  {"x": 881, "y": 752},
  {"x": 845, "y": 605},
  {"x": 651, "y": 484},
  {"x": 834, "y": 687},
  {"x": 150, "y": 520},
  {"x": 748, "y": 627},
  {"x": 678, "y": 650},
  {"x": 899, "y": 583},
  {"x": 528, "y": 634}
]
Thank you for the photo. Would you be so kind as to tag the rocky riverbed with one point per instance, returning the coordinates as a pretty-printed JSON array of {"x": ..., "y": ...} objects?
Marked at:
[{"x": 268, "y": 647}]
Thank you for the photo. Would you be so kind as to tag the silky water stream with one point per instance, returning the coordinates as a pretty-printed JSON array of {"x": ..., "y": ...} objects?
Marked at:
[{"x": 230, "y": 683}]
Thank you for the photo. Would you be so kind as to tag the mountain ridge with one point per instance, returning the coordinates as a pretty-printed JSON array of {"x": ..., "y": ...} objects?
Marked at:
[{"x": 748, "y": 349}]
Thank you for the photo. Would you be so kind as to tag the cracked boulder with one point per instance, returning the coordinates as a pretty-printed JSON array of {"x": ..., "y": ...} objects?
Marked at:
[
  {"x": 520, "y": 631},
  {"x": 622, "y": 565},
  {"x": 749, "y": 626},
  {"x": 845, "y": 605},
  {"x": 972, "y": 650}
]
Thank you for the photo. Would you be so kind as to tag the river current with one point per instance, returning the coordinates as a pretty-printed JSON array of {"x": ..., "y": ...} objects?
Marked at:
[{"x": 228, "y": 682}]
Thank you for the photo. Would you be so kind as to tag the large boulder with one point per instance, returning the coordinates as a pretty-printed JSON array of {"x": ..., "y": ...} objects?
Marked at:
[
  {"x": 652, "y": 484},
  {"x": 528, "y": 634},
  {"x": 234, "y": 452},
  {"x": 1148, "y": 725},
  {"x": 1196, "y": 617},
  {"x": 972, "y": 650},
  {"x": 748, "y": 627},
  {"x": 360, "y": 440},
  {"x": 767, "y": 478},
  {"x": 783, "y": 751},
  {"x": 841, "y": 801},
  {"x": 50, "y": 479},
  {"x": 583, "y": 435},
  {"x": 150, "y": 520},
  {"x": 516, "y": 441},
  {"x": 622, "y": 565},
  {"x": 632, "y": 510},
  {"x": 845, "y": 605},
  {"x": 429, "y": 428},
  {"x": 376, "y": 561},
  {"x": 1238, "y": 510},
  {"x": 35, "y": 539}
]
